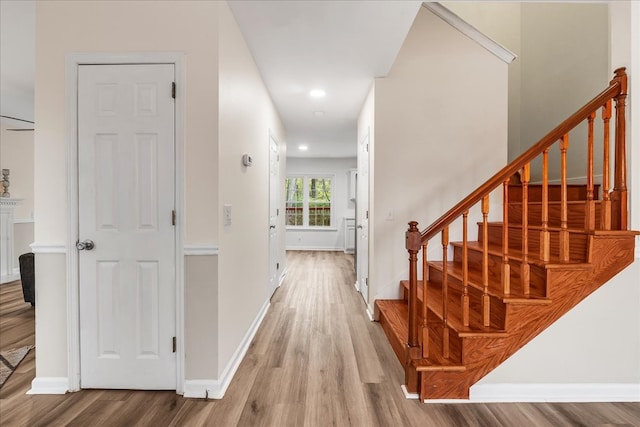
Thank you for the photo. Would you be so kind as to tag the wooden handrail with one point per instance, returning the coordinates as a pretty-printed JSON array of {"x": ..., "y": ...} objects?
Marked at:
[{"x": 617, "y": 87}]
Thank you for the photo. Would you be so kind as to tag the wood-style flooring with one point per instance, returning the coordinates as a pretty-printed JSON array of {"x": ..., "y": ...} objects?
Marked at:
[{"x": 317, "y": 360}]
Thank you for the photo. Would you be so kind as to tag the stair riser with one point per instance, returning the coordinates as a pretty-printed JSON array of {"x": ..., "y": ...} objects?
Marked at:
[
  {"x": 497, "y": 307},
  {"x": 537, "y": 274},
  {"x": 577, "y": 241},
  {"x": 534, "y": 193},
  {"x": 436, "y": 336},
  {"x": 575, "y": 215}
]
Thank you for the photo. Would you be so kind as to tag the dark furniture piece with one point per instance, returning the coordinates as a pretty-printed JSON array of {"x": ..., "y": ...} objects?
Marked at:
[{"x": 27, "y": 276}]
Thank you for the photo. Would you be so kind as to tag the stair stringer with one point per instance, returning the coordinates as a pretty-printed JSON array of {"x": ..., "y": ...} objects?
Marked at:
[{"x": 610, "y": 253}]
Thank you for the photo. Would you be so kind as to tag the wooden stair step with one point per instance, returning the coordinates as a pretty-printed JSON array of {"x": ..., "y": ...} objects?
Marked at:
[
  {"x": 454, "y": 318},
  {"x": 394, "y": 318},
  {"x": 534, "y": 193},
  {"x": 475, "y": 281},
  {"x": 515, "y": 255},
  {"x": 430, "y": 365}
]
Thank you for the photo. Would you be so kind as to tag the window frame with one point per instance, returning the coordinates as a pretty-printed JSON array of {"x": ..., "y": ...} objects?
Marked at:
[{"x": 306, "y": 178}]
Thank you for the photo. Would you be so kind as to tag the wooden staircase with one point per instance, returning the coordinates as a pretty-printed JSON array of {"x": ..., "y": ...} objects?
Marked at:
[{"x": 555, "y": 245}]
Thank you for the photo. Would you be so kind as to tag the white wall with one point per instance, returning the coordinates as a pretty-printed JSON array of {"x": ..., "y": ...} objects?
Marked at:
[
  {"x": 63, "y": 27},
  {"x": 440, "y": 131},
  {"x": 247, "y": 116},
  {"x": 338, "y": 169},
  {"x": 502, "y": 22}
]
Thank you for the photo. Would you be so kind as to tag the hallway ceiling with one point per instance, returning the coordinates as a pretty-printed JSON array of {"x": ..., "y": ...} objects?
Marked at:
[{"x": 337, "y": 46}]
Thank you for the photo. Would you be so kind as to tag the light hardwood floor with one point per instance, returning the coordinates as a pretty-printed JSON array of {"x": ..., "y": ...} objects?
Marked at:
[{"x": 317, "y": 360}]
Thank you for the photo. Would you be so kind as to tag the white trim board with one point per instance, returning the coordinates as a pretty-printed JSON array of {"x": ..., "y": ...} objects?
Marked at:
[
  {"x": 48, "y": 248},
  {"x": 215, "y": 389},
  {"x": 49, "y": 385},
  {"x": 512, "y": 393},
  {"x": 72, "y": 62},
  {"x": 200, "y": 250},
  {"x": 314, "y": 248},
  {"x": 470, "y": 31},
  {"x": 588, "y": 392}
]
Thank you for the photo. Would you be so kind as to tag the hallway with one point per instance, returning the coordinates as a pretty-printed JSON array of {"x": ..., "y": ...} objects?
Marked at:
[{"x": 317, "y": 360}]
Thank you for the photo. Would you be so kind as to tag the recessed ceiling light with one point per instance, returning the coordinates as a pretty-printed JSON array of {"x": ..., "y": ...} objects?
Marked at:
[
  {"x": 317, "y": 93},
  {"x": 318, "y": 113},
  {"x": 303, "y": 147}
]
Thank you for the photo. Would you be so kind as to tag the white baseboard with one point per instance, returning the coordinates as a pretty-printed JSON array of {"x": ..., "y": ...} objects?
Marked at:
[
  {"x": 15, "y": 275},
  {"x": 588, "y": 392},
  {"x": 215, "y": 389},
  {"x": 407, "y": 395},
  {"x": 370, "y": 314},
  {"x": 49, "y": 385},
  {"x": 314, "y": 248},
  {"x": 282, "y": 276}
]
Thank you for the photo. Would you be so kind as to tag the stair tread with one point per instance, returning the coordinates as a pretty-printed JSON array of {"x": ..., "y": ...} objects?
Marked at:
[
  {"x": 454, "y": 317},
  {"x": 396, "y": 312},
  {"x": 516, "y": 255},
  {"x": 539, "y": 227},
  {"x": 430, "y": 364},
  {"x": 554, "y": 202}
]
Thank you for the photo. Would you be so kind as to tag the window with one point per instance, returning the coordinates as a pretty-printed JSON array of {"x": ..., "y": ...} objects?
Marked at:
[{"x": 308, "y": 201}]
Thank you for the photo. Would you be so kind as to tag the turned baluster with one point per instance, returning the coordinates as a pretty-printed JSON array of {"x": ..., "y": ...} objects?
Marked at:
[
  {"x": 524, "y": 267},
  {"x": 619, "y": 195},
  {"x": 590, "y": 208},
  {"x": 445, "y": 293},
  {"x": 413, "y": 246},
  {"x": 506, "y": 268},
  {"x": 544, "y": 234},
  {"x": 605, "y": 206},
  {"x": 564, "y": 232},
  {"x": 425, "y": 281},
  {"x": 486, "y": 307},
  {"x": 465, "y": 271}
]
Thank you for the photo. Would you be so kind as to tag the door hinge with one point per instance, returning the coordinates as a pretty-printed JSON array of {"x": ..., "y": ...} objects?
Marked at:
[
  {"x": 173, "y": 90},
  {"x": 367, "y": 215},
  {"x": 367, "y": 148},
  {"x": 277, "y": 212},
  {"x": 173, "y": 344},
  {"x": 173, "y": 217},
  {"x": 277, "y": 266}
]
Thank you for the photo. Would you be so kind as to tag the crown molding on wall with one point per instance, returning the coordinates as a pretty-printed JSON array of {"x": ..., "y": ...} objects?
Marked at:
[{"x": 470, "y": 31}]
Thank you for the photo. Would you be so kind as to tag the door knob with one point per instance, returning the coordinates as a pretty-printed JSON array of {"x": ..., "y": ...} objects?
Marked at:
[
  {"x": 86, "y": 245},
  {"x": 272, "y": 226},
  {"x": 359, "y": 227}
]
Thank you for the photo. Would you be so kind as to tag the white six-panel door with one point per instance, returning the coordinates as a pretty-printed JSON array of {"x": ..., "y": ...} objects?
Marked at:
[
  {"x": 127, "y": 283},
  {"x": 274, "y": 173},
  {"x": 362, "y": 219}
]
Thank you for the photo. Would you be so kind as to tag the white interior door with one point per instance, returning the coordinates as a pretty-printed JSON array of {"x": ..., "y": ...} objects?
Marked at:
[
  {"x": 362, "y": 219},
  {"x": 126, "y": 196},
  {"x": 274, "y": 174}
]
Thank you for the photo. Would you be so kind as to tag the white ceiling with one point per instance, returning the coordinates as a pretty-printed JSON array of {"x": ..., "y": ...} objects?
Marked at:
[{"x": 338, "y": 46}]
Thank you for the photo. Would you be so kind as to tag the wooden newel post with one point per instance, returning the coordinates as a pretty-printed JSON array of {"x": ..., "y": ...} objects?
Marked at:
[
  {"x": 413, "y": 244},
  {"x": 619, "y": 194}
]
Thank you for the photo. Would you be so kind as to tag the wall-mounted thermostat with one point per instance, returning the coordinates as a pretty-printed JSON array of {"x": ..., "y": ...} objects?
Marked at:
[{"x": 247, "y": 160}]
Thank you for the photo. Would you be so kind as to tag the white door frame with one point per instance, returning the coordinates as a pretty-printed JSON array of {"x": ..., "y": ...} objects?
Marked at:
[
  {"x": 72, "y": 62},
  {"x": 274, "y": 256}
]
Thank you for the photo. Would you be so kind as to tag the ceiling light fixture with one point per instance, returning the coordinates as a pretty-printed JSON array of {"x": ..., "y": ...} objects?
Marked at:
[
  {"x": 318, "y": 113},
  {"x": 317, "y": 93},
  {"x": 303, "y": 147}
]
